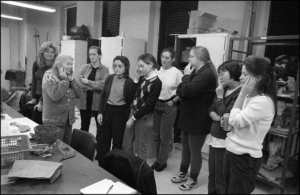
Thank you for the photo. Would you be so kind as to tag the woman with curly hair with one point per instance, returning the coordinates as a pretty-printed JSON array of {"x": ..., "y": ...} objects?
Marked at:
[{"x": 45, "y": 60}]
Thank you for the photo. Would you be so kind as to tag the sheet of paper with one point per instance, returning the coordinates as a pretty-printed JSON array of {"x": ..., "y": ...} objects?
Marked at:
[
  {"x": 35, "y": 169},
  {"x": 100, "y": 187},
  {"x": 120, "y": 188},
  {"x": 107, "y": 186},
  {"x": 7, "y": 129},
  {"x": 6, "y": 116}
]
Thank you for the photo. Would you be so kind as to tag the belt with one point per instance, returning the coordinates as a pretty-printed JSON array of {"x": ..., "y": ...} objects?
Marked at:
[{"x": 167, "y": 99}]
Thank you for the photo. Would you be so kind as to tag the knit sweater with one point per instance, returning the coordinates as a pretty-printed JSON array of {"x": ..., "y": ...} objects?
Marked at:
[
  {"x": 59, "y": 98},
  {"x": 250, "y": 126},
  {"x": 37, "y": 77},
  {"x": 128, "y": 92},
  {"x": 146, "y": 96},
  {"x": 220, "y": 107}
]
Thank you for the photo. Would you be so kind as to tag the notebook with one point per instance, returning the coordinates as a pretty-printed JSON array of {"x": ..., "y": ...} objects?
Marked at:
[{"x": 107, "y": 186}]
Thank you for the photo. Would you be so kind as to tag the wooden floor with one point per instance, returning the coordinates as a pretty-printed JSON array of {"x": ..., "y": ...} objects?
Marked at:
[{"x": 163, "y": 179}]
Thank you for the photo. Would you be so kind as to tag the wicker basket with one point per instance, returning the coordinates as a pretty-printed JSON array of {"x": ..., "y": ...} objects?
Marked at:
[
  {"x": 14, "y": 147},
  {"x": 46, "y": 134}
]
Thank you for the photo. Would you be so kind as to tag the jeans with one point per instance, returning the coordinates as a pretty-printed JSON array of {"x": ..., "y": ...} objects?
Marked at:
[
  {"x": 240, "y": 173},
  {"x": 191, "y": 153},
  {"x": 216, "y": 183},
  {"x": 112, "y": 128},
  {"x": 136, "y": 136},
  {"x": 163, "y": 120},
  {"x": 86, "y": 119}
]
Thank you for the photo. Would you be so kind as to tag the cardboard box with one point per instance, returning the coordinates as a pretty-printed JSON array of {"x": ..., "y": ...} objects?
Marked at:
[
  {"x": 201, "y": 21},
  {"x": 196, "y": 31},
  {"x": 194, "y": 18}
]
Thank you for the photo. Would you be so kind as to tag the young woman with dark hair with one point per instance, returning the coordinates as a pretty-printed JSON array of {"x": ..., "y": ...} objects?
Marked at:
[
  {"x": 227, "y": 92},
  {"x": 114, "y": 107},
  {"x": 251, "y": 118},
  {"x": 140, "y": 122}
]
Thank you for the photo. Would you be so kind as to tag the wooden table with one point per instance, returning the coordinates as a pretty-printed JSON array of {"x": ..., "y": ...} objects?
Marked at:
[{"x": 77, "y": 173}]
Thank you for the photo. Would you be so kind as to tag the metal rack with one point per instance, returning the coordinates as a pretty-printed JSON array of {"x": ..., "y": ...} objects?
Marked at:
[{"x": 281, "y": 41}]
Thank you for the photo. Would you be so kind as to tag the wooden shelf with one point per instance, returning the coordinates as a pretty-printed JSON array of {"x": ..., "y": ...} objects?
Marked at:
[{"x": 282, "y": 133}]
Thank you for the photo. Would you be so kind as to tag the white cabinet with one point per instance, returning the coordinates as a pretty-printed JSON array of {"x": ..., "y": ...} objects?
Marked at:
[
  {"x": 78, "y": 50},
  {"x": 216, "y": 43},
  {"x": 132, "y": 48}
]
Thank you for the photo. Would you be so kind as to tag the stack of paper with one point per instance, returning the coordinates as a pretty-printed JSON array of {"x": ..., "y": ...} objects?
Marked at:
[{"x": 107, "y": 186}]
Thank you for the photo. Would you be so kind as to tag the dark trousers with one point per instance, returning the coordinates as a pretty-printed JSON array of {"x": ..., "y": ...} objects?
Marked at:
[
  {"x": 191, "y": 153},
  {"x": 86, "y": 119},
  {"x": 112, "y": 128},
  {"x": 240, "y": 173},
  {"x": 28, "y": 111},
  {"x": 216, "y": 183}
]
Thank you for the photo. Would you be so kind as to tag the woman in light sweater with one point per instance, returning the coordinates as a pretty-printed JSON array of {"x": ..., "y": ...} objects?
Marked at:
[
  {"x": 165, "y": 110},
  {"x": 251, "y": 118}
]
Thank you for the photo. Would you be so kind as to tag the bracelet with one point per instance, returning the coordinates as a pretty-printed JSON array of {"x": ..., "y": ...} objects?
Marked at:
[{"x": 133, "y": 118}]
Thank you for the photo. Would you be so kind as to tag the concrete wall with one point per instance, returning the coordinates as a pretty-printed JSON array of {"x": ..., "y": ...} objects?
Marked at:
[{"x": 140, "y": 19}]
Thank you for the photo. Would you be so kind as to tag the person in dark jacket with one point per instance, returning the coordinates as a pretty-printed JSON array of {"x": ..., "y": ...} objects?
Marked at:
[
  {"x": 114, "y": 107},
  {"x": 227, "y": 92},
  {"x": 197, "y": 91}
]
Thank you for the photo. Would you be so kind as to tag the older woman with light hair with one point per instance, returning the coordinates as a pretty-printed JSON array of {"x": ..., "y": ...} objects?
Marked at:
[{"x": 60, "y": 89}]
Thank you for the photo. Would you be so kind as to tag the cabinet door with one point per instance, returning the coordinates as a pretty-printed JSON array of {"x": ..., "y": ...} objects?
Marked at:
[
  {"x": 216, "y": 48},
  {"x": 132, "y": 49},
  {"x": 110, "y": 47}
]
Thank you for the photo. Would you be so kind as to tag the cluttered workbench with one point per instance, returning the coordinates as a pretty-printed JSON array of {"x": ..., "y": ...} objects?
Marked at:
[{"x": 75, "y": 174}]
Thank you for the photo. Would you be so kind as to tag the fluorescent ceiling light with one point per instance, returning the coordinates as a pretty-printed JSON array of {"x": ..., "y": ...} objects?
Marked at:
[
  {"x": 11, "y": 17},
  {"x": 30, "y": 5}
]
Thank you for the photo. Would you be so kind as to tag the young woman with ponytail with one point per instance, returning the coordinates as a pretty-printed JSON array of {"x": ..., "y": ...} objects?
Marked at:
[{"x": 251, "y": 118}]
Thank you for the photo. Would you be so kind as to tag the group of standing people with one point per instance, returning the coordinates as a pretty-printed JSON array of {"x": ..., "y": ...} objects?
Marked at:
[{"x": 127, "y": 110}]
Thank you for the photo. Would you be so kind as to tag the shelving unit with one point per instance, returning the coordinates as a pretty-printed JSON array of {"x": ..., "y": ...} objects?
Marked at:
[
  {"x": 293, "y": 128},
  {"x": 216, "y": 43}
]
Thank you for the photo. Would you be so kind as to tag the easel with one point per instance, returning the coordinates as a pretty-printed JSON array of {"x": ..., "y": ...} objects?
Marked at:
[{"x": 36, "y": 35}]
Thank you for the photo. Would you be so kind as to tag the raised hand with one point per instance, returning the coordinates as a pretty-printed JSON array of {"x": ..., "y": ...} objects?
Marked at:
[
  {"x": 220, "y": 91},
  {"x": 63, "y": 74},
  {"x": 249, "y": 86},
  {"x": 188, "y": 69}
]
